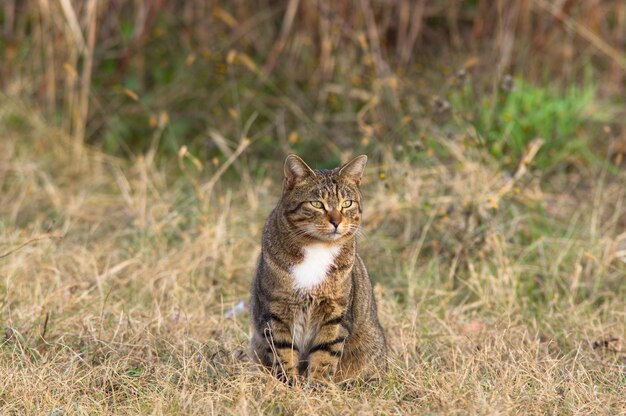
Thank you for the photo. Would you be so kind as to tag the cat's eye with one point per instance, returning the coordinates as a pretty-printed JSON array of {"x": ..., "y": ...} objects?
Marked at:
[
  {"x": 317, "y": 204},
  {"x": 346, "y": 204}
]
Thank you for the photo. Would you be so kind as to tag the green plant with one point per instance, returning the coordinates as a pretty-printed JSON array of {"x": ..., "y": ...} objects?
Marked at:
[{"x": 507, "y": 121}]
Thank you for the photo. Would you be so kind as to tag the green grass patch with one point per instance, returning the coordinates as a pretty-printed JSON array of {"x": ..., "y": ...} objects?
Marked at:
[{"x": 507, "y": 121}]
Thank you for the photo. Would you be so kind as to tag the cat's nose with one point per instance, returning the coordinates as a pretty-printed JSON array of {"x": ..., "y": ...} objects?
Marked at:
[{"x": 335, "y": 218}]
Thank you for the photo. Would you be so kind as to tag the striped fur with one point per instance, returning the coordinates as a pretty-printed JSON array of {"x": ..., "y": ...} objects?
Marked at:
[{"x": 313, "y": 310}]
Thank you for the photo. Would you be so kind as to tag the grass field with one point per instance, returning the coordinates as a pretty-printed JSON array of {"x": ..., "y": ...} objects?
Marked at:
[
  {"x": 119, "y": 282},
  {"x": 142, "y": 147}
]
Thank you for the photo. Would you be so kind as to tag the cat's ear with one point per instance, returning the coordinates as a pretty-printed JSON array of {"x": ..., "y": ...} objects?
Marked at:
[
  {"x": 353, "y": 170},
  {"x": 296, "y": 170}
]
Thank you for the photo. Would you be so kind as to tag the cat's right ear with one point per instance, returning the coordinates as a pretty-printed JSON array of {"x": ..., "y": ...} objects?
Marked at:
[{"x": 295, "y": 171}]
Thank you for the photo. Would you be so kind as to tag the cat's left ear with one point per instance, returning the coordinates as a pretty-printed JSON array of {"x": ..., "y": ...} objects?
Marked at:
[{"x": 353, "y": 170}]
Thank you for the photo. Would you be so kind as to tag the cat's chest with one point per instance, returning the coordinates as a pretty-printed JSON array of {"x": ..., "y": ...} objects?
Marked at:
[{"x": 316, "y": 263}]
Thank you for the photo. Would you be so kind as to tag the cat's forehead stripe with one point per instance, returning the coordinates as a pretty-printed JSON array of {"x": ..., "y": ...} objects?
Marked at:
[{"x": 331, "y": 189}]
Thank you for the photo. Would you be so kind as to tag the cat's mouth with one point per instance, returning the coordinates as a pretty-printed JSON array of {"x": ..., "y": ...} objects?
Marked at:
[
  {"x": 332, "y": 234},
  {"x": 328, "y": 233}
]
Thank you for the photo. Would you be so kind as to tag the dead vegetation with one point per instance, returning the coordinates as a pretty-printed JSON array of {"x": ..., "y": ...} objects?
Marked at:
[
  {"x": 117, "y": 283},
  {"x": 142, "y": 146}
]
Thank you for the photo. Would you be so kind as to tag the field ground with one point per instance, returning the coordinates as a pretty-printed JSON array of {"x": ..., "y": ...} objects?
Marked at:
[{"x": 119, "y": 285}]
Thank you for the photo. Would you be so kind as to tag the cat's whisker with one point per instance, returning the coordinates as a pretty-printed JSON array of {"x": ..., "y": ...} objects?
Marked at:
[
  {"x": 358, "y": 231},
  {"x": 296, "y": 234}
]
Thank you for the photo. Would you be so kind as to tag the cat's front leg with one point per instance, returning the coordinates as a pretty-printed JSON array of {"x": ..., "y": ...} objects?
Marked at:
[
  {"x": 282, "y": 351},
  {"x": 327, "y": 349}
]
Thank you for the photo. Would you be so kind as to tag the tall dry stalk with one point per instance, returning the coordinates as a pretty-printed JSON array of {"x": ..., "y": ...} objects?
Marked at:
[
  {"x": 85, "y": 81},
  {"x": 48, "y": 55},
  {"x": 393, "y": 34}
]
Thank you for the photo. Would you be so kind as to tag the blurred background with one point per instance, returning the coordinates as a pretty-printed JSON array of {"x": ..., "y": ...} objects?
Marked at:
[
  {"x": 322, "y": 77},
  {"x": 141, "y": 149}
]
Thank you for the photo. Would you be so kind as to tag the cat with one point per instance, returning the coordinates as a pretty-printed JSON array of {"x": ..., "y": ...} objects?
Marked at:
[{"x": 314, "y": 315}]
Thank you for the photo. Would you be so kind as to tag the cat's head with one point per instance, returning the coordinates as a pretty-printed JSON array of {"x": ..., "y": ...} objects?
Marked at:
[{"x": 323, "y": 204}]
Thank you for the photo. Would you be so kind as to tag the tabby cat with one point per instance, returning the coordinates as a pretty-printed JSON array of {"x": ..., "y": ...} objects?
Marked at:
[{"x": 313, "y": 310}]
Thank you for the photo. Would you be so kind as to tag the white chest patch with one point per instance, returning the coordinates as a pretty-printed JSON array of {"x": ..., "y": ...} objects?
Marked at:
[{"x": 314, "y": 267}]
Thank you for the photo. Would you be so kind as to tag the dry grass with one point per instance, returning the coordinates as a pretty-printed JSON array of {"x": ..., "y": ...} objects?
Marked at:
[
  {"x": 121, "y": 279},
  {"x": 127, "y": 313}
]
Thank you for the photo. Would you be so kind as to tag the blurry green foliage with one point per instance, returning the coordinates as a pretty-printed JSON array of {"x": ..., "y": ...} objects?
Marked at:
[
  {"x": 206, "y": 74},
  {"x": 507, "y": 121}
]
